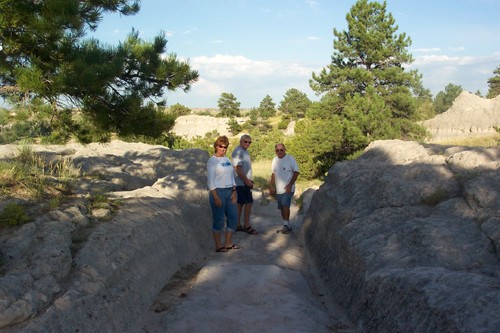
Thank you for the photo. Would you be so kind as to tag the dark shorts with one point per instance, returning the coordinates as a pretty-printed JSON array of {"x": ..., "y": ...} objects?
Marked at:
[
  {"x": 244, "y": 194},
  {"x": 284, "y": 200}
]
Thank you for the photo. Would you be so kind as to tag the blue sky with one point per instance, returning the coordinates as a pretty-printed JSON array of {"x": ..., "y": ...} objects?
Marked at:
[{"x": 254, "y": 48}]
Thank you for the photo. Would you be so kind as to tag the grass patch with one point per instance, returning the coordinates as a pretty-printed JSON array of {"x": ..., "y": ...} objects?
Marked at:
[
  {"x": 261, "y": 173},
  {"x": 12, "y": 215},
  {"x": 29, "y": 176},
  {"x": 486, "y": 141}
]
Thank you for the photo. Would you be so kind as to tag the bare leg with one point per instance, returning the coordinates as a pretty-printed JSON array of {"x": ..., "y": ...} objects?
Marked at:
[
  {"x": 228, "y": 241},
  {"x": 240, "y": 208},
  {"x": 248, "y": 208},
  {"x": 285, "y": 213},
  {"x": 218, "y": 243}
]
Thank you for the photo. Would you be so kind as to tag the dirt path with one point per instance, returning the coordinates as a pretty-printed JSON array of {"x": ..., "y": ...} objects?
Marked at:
[{"x": 266, "y": 286}]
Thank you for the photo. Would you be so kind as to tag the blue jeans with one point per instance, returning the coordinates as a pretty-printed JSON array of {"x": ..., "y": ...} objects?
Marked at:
[{"x": 228, "y": 209}]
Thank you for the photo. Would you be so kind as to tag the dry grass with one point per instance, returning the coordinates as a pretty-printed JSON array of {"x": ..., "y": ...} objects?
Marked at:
[
  {"x": 261, "y": 173},
  {"x": 487, "y": 141},
  {"x": 30, "y": 176}
]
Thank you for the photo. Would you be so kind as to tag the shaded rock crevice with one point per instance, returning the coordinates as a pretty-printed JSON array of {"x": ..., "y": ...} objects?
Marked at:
[{"x": 397, "y": 235}]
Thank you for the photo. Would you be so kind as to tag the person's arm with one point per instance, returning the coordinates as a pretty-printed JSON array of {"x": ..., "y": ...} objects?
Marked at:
[
  {"x": 243, "y": 177},
  {"x": 234, "y": 196},
  {"x": 211, "y": 184},
  {"x": 288, "y": 187},
  {"x": 272, "y": 185}
]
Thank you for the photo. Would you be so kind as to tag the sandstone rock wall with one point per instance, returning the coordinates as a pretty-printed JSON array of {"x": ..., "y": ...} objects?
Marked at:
[
  {"x": 191, "y": 126},
  {"x": 70, "y": 272},
  {"x": 469, "y": 116},
  {"x": 407, "y": 237}
]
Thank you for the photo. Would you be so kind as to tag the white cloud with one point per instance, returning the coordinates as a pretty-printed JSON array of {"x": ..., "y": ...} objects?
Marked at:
[
  {"x": 311, "y": 3},
  {"x": 245, "y": 78},
  {"x": 313, "y": 38},
  {"x": 470, "y": 72},
  {"x": 251, "y": 80},
  {"x": 227, "y": 66},
  {"x": 432, "y": 49},
  {"x": 442, "y": 60}
]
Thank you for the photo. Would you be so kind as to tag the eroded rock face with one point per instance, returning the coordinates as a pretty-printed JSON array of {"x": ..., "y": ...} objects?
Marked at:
[
  {"x": 191, "y": 126},
  {"x": 469, "y": 116},
  {"x": 162, "y": 224},
  {"x": 407, "y": 237}
]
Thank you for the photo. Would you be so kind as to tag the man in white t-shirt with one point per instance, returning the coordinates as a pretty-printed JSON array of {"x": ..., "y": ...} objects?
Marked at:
[
  {"x": 285, "y": 171},
  {"x": 244, "y": 184}
]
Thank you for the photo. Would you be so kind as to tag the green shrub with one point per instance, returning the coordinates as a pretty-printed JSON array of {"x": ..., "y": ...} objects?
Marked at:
[{"x": 13, "y": 214}]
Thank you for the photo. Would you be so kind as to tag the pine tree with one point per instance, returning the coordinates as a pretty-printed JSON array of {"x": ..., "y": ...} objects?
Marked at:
[
  {"x": 444, "y": 99},
  {"x": 494, "y": 84},
  {"x": 45, "y": 57},
  {"x": 370, "y": 54},
  {"x": 228, "y": 105},
  {"x": 295, "y": 103},
  {"x": 267, "y": 107}
]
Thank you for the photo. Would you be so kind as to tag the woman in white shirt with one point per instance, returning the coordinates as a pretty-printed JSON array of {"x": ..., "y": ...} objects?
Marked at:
[{"x": 222, "y": 197}]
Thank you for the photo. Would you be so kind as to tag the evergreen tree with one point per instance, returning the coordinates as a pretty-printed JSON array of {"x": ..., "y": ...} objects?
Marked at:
[
  {"x": 494, "y": 84},
  {"x": 234, "y": 126},
  {"x": 313, "y": 144},
  {"x": 179, "y": 110},
  {"x": 45, "y": 57},
  {"x": 295, "y": 103},
  {"x": 267, "y": 107},
  {"x": 366, "y": 92},
  {"x": 228, "y": 105},
  {"x": 444, "y": 99},
  {"x": 371, "y": 54}
]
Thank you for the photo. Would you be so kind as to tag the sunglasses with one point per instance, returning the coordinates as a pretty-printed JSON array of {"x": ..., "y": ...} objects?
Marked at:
[
  {"x": 277, "y": 150},
  {"x": 247, "y": 141},
  {"x": 223, "y": 147}
]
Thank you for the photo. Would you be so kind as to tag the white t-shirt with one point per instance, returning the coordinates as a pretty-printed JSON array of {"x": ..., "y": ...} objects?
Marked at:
[
  {"x": 241, "y": 157},
  {"x": 283, "y": 169},
  {"x": 220, "y": 173}
]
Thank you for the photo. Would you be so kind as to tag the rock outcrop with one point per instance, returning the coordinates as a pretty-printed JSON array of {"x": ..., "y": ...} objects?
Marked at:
[
  {"x": 191, "y": 126},
  {"x": 70, "y": 272},
  {"x": 407, "y": 237},
  {"x": 469, "y": 116}
]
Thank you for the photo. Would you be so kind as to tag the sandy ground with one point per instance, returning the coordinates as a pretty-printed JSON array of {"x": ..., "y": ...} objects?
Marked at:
[{"x": 266, "y": 286}]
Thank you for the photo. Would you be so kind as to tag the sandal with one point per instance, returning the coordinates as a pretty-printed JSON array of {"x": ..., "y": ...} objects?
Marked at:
[
  {"x": 222, "y": 249},
  {"x": 233, "y": 247},
  {"x": 250, "y": 230}
]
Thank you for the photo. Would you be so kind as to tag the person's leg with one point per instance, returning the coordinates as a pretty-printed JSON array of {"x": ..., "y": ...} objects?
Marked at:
[
  {"x": 240, "y": 192},
  {"x": 218, "y": 243},
  {"x": 217, "y": 223},
  {"x": 248, "y": 209},
  {"x": 285, "y": 213},
  {"x": 232, "y": 221},
  {"x": 240, "y": 209},
  {"x": 284, "y": 203}
]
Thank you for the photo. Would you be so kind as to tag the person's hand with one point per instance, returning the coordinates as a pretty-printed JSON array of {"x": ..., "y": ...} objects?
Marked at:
[
  {"x": 249, "y": 183},
  {"x": 234, "y": 197},
  {"x": 218, "y": 202},
  {"x": 288, "y": 188}
]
